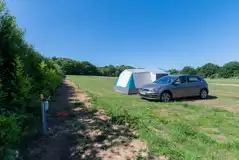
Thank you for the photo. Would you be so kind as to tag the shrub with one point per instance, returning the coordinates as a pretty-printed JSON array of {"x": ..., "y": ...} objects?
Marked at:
[
  {"x": 174, "y": 71},
  {"x": 188, "y": 70},
  {"x": 24, "y": 75},
  {"x": 230, "y": 69},
  {"x": 208, "y": 70},
  {"x": 9, "y": 133}
]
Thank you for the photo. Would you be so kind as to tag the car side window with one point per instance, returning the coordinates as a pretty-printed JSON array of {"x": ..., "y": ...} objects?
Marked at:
[
  {"x": 181, "y": 80},
  {"x": 193, "y": 79}
]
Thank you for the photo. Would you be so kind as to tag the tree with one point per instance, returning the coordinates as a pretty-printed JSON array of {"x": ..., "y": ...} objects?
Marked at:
[
  {"x": 117, "y": 73},
  {"x": 73, "y": 67},
  {"x": 24, "y": 74},
  {"x": 173, "y": 71},
  {"x": 209, "y": 70},
  {"x": 188, "y": 70},
  {"x": 88, "y": 68},
  {"x": 230, "y": 69}
]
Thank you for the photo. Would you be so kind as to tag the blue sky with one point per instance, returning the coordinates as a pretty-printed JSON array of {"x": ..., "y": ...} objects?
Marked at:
[{"x": 143, "y": 33}]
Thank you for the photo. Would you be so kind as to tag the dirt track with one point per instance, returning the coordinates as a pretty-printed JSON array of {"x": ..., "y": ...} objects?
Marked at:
[{"x": 75, "y": 132}]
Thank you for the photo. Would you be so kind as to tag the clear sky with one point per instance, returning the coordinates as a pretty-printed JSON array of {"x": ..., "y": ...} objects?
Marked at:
[{"x": 143, "y": 33}]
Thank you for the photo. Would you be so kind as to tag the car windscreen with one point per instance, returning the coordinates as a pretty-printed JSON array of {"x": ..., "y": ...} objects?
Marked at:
[{"x": 164, "y": 80}]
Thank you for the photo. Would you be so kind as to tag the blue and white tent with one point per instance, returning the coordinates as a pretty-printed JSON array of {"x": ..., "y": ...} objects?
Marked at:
[{"x": 130, "y": 80}]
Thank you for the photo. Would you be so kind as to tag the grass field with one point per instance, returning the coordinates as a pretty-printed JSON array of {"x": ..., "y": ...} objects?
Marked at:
[
  {"x": 223, "y": 81},
  {"x": 188, "y": 129}
]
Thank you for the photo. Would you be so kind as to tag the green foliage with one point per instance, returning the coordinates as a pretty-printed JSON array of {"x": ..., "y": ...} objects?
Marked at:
[
  {"x": 24, "y": 75},
  {"x": 113, "y": 71},
  {"x": 10, "y": 132},
  {"x": 209, "y": 70},
  {"x": 230, "y": 69},
  {"x": 72, "y": 67},
  {"x": 108, "y": 70},
  {"x": 174, "y": 71},
  {"x": 188, "y": 70}
]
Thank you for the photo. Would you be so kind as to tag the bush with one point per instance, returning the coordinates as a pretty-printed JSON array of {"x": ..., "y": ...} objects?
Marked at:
[
  {"x": 9, "y": 133},
  {"x": 208, "y": 70},
  {"x": 24, "y": 75},
  {"x": 188, "y": 70},
  {"x": 73, "y": 67},
  {"x": 230, "y": 69},
  {"x": 174, "y": 71}
]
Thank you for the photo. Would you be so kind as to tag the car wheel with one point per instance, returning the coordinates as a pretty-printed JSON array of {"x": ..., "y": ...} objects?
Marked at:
[
  {"x": 203, "y": 94},
  {"x": 165, "y": 97}
]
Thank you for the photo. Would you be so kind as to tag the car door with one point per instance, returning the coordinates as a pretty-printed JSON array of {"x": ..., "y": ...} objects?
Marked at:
[
  {"x": 180, "y": 87},
  {"x": 194, "y": 84}
]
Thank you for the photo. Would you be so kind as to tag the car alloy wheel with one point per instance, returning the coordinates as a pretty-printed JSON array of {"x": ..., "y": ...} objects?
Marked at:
[
  {"x": 203, "y": 94},
  {"x": 165, "y": 97}
]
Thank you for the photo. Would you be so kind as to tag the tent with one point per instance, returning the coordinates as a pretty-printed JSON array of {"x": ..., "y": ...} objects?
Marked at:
[{"x": 130, "y": 80}]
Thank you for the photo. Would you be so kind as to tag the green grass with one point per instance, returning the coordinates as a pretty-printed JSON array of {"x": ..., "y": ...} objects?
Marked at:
[
  {"x": 179, "y": 130},
  {"x": 223, "y": 81}
]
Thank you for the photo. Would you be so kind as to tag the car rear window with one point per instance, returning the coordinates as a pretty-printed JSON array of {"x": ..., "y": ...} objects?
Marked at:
[{"x": 193, "y": 79}]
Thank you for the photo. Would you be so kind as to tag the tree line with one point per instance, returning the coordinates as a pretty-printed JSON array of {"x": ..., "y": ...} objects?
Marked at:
[
  {"x": 73, "y": 67},
  {"x": 24, "y": 75},
  {"x": 210, "y": 70}
]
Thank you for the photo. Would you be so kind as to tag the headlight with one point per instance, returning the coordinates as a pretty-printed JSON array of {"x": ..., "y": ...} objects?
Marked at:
[{"x": 154, "y": 90}]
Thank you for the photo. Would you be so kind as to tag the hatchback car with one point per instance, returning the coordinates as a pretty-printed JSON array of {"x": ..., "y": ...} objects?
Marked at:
[{"x": 175, "y": 86}]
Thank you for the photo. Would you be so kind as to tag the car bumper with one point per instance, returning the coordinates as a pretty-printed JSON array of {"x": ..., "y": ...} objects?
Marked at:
[{"x": 150, "y": 96}]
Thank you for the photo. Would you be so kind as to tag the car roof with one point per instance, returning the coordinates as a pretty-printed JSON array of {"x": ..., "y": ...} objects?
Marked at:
[{"x": 178, "y": 75}]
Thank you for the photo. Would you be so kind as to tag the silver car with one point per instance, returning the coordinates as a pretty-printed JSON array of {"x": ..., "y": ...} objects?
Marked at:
[{"x": 175, "y": 86}]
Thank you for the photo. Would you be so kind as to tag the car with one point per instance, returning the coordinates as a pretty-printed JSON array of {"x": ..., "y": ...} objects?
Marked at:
[{"x": 175, "y": 86}]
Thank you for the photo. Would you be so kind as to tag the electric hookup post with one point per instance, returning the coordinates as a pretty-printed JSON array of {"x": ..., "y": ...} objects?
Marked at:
[{"x": 44, "y": 109}]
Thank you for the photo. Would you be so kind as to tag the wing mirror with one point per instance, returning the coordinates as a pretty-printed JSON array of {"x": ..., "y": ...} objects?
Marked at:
[{"x": 176, "y": 83}]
